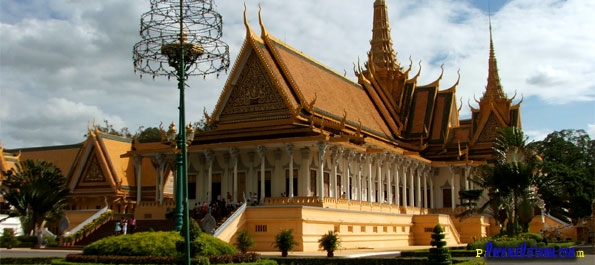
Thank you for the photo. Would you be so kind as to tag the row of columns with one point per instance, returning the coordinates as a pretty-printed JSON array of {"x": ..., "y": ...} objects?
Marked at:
[{"x": 383, "y": 167}]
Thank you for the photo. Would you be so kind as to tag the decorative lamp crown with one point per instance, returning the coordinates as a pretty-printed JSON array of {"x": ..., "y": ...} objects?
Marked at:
[{"x": 204, "y": 52}]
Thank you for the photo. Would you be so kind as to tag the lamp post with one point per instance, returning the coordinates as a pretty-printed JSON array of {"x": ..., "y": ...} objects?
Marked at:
[{"x": 184, "y": 35}]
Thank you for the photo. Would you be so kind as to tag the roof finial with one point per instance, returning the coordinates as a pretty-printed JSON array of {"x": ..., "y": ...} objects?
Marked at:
[
  {"x": 494, "y": 88},
  {"x": 381, "y": 44}
]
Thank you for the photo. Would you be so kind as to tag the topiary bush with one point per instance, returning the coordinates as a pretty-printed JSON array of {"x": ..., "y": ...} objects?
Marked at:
[
  {"x": 284, "y": 241},
  {"x": 159, "y": 244},
  {"x": 215, "y": 246},
  {"x": 439, "y": 255},
  {"x": 196, "y": 246},
  {"x": 8, "y": 239},
  {"x": 329, "y": 242},
  {"x": 244, "y": 241}
]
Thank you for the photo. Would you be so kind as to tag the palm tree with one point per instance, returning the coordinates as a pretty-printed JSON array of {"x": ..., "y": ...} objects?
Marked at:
[
  {"x": 37, "y": 192},
  {"x": 510, "y": 181},
  {"x": 517, "y": 170}
]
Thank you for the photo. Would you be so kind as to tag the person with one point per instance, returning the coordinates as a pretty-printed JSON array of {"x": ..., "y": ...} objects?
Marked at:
[
  {"x": 132, "y": 225},
  {"x": 124, "y": 226},
  {"x": 228, "y": 196},
  {"x": 40, "y": 239},
  {"x": 118, "y": 228}
]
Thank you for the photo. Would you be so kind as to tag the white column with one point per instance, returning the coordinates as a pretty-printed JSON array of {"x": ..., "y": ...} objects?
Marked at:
[
  {"x": 389, "y": 164},
  {"x": 336, "y": 155},
  {"x": 304, "y": 174},
  {"x": 404, "y": 169},
  {"x": 467, "y": 172},
  {"x": 234, "y": 152},
  {"x": 423, "y": 172},
  {"x": 362, "y": 158},
  {"x": 161, "y": 165},
  {"x": 397, "y": 168},
  {"x": 250, "y": 179},
  {"x": 412, "y": 184},
  {"x": 289, "y": 148},
  {"x": 138, "y": 170},
  {"x": 380, "y": 160},
  {"x": 370, "y": 191},
  {"x": 320, "y": 183},
  {"x": 226, "y": 182},
  {"x": 431, "y": 190},
  {"x": 261, "y": 150},
  {"x": 209, "y": 156},
  {"x": 349, "y": 189},
  {"x": 419, "y": 193},
  {"x": 452, "y": 187}
]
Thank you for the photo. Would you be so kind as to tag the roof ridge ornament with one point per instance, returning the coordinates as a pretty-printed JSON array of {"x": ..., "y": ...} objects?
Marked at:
[
  {"x": 264, "y": 32},
  {"x": 494, "y": 90}
]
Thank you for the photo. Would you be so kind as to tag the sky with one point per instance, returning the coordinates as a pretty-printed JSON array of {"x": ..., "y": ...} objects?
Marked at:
[{"x": 65, "y": 64}]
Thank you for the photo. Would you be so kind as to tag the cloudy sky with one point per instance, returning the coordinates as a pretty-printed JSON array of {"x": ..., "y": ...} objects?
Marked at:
[{"x": 67, "y": 63}]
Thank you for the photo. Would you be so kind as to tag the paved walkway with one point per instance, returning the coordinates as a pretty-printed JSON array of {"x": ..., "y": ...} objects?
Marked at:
[{"x": 589, "y": 258}]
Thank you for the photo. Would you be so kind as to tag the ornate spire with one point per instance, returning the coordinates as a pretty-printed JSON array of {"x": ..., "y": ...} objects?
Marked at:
[
  {"x": 494, "y": 88},
  {"x": 383, "y": 55}
]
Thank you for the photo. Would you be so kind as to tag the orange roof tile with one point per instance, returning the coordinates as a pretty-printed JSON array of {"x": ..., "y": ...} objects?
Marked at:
[{"x": 334, "y": 93}]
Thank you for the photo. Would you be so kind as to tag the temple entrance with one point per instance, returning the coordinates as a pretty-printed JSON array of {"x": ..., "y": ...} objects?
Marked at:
[
  {"x": 446, "y": 198},
  {"x": 267, "y": 184},
  {"x": 216, "y": 188}
]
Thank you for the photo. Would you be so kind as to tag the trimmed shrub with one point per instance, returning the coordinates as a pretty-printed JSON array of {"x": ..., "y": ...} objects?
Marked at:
[
  {"x": 244, "y": 241},
  {"x": 8, "y": 239},
  {"x": 215, "y": 246},
  {"x": 329, "y": 243},
  {"x": 159, "y": 244},
  {"x": 439, "y": 255},
  {"x": 196, "y": 246},
  {"x": 284, "y": 241}
]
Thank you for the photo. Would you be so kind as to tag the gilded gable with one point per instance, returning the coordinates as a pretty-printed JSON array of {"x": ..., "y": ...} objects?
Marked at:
[
  {"x": 253, "y": 97},
  {"x": 93, "y": 176},
  {"x": 488, "y": 133}
]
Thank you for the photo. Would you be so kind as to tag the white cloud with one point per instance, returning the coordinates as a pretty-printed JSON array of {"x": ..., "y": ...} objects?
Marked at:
[
  {"x": 64, "y": 63},
  {"x": 591, "y": 131}
]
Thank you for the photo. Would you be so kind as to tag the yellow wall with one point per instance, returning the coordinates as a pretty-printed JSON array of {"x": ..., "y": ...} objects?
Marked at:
[
  {"x": 552, "y": 226},
  {"x": 356, "y": 229},
  {"x": 77, "y": 217},
  {"x": 152, "y": 210}
]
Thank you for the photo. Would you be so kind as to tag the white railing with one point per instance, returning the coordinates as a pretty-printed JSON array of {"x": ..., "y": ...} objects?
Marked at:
[
  {"x": 88, "y": 220},
  {"x": 229, "y": 220},
  {"x": 454, "y": 231}
]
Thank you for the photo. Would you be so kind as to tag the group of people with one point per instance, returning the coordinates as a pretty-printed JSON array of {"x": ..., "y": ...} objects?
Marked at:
[{"x": 124, "y": 226}]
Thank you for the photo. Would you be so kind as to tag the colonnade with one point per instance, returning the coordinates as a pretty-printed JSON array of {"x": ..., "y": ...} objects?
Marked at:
[{"x": 324, "y": 169}]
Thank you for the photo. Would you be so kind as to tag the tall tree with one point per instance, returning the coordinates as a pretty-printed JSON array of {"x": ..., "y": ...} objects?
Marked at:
[
  {"x": 37, "y": 192},
  {"x": 511, "y": 181},
  {"x": 569, "y": 159}
]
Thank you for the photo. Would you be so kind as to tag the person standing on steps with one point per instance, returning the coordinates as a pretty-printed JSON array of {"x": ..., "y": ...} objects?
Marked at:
[
  {"x": 132, "y": 225},
  {"x": 118, "y": 228},
  {"x": 124, "y": 226}
]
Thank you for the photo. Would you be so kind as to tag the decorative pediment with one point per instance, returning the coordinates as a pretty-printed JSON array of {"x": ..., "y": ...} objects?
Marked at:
[
  {"x": 94, "y": 175},
  {"x": 253, "y": 97},
  {"x": 489, "y": 130}
]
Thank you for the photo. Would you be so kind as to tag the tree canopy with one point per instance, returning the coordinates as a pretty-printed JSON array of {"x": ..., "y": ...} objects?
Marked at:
[
  {"x": 37, "y": 192},
  {"x": 512, "y": 182},
  {"x": 569, "y": 160}
]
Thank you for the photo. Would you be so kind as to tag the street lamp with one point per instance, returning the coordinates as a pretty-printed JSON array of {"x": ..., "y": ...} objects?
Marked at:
[{"x": 184, "y": 35}]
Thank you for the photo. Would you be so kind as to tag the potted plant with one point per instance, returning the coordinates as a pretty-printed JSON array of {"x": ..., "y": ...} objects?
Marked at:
[
  {"x": 284, "y": 241},
  {"x": 329, "y": 242},
  {"x": 8, "y": 239},
  {"x": 244, "y": 241}
]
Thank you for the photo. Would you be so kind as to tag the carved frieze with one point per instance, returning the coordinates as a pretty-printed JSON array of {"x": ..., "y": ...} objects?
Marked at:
[{"x": 254, "y": 95}]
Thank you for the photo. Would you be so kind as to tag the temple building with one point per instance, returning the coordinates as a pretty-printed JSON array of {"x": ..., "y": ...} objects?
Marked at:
[{"x": 381, "y": 159}]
